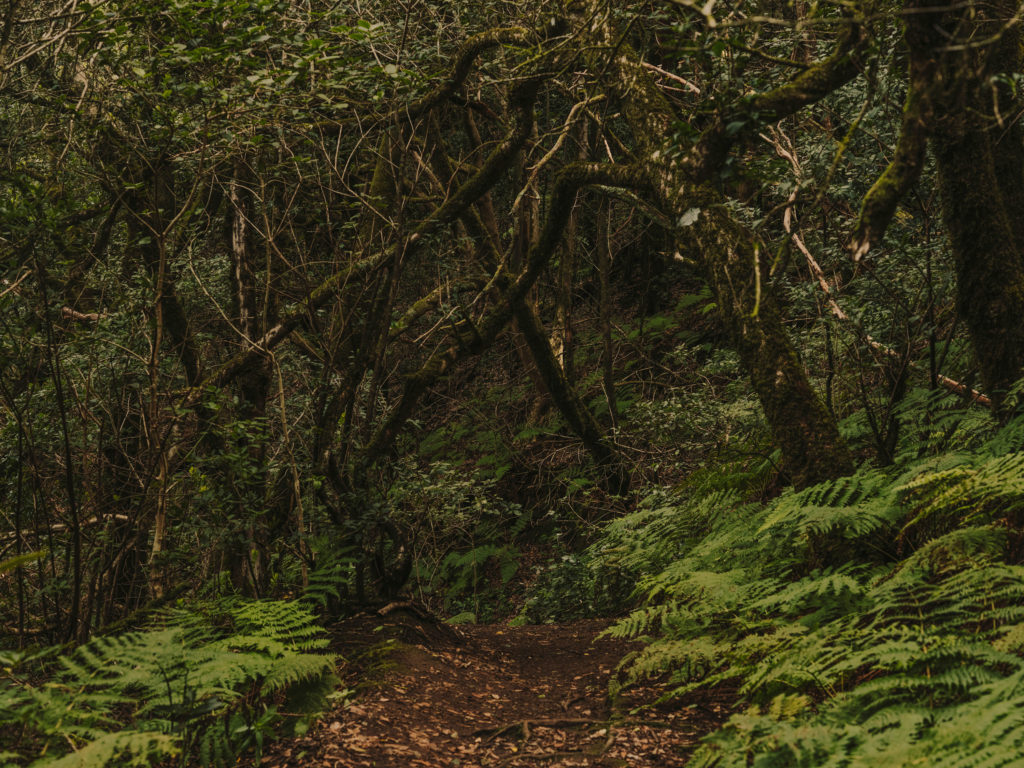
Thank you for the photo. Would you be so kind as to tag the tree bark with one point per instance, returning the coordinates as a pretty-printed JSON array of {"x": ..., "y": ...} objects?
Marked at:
[
  {"x": 801, "y": 426},
  {"x": 568, "y": 401},
  {"x": 980, "y": 159}
]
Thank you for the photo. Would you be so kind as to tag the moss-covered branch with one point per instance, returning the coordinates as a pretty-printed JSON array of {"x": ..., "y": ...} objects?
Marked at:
[
  {"x": 473, "y": 338},
  {"x": 553, "y": 378},
  {"x": 465, "y": 60},
  {"x": 489, "y": 173},
  {"x": 726, "y": 250},
  {"x": 810, "y": 86},
  {"x": 566, "y": 399},
  {"x": 880, "y": 202}
]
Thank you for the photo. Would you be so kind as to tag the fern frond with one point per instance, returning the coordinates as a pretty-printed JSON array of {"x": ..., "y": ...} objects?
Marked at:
[
  {"x": 289, "y": 622},
  {"x": 135, "y": 749},
  {"x": 641, "y": 621},
  {"x": 974, "y": 492},
  {"x": 298, "y": 669},
  {"x": 190, "y": 676},
  {"x": 836, "y": 589}
]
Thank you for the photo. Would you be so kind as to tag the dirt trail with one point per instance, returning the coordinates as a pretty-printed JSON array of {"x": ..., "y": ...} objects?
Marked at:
[{"x": 495, "y": 696}]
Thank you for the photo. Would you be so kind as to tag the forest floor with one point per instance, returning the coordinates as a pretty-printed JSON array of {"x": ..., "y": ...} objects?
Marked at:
[{"x": 430, "y": 695}]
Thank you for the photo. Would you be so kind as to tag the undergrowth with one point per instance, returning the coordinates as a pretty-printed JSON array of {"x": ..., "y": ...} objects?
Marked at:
[
  {"x": 874, "y": 620},
  {"x": 208, "y": 683}
]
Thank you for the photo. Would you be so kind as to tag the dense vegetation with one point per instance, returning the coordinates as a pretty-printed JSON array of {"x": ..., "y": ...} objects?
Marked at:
[{"x": 705, "y": 317}]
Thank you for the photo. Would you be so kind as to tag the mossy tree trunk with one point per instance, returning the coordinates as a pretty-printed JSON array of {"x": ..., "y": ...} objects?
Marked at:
[
  {"x": 980, "y": 157},
  {"x": 729, "y": 254},
  {"x": 568, "y": 401},
  {"x": 241, "y": 557},
  {"x": 962, "y": 59}
]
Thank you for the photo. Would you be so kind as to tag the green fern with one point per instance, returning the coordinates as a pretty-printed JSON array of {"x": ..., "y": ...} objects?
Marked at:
[
  {"x": 290, "y": 623},
  {"x": 199, "y": 685},
  {"x": 874, "y": 620},
  {"x": 974, "y": 492},
  {"x": 122, "y": 748},
  {"x": 329, "y": 581},
  {"x": 463, "y": 571},
  {"x": 643, "y": 620}
]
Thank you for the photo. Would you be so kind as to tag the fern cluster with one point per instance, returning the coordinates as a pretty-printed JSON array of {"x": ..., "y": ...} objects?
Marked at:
[
  {"x": 203, "y": 683},
  {"x": 874, "y": 620}
]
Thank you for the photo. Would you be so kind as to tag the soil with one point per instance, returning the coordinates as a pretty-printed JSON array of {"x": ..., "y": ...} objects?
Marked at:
[{"x": 433, "y": 695}]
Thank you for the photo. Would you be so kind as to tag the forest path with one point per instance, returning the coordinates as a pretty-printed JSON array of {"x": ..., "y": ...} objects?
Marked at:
[{"x": 494, "y": 695}]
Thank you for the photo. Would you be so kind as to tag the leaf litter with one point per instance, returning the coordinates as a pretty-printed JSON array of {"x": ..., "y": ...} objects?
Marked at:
[{"x": 433, "y": 696}]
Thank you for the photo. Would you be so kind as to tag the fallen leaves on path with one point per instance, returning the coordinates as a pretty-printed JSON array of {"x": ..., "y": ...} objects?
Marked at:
[{"x": 503, "y": 696}]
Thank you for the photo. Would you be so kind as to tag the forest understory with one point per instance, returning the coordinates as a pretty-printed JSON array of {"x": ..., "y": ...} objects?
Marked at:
[{"x": 478, "y": 382}]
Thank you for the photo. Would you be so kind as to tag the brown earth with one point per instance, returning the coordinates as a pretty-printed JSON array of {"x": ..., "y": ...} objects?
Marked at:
[{"x": 492, "y": 696}]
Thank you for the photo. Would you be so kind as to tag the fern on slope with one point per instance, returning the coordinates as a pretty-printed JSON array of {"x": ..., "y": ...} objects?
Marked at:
[
  {"x": 978, "y": 490},
  {"x": 176, "y": 685},
  {"x": 663, "y": 529},
  {"x": 120, "y": 748},
  {"x": 874, "y": 620}
]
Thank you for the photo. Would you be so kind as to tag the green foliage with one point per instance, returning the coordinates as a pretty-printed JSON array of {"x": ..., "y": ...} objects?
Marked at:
[
  {"x": 139, "y": 135},
  {"x": 709, "y": 410},
  {"x": 873, "y": 620},
  {"x": 572, "y": 586},
  {"x": 462, "y": 532},
  {"x": 131, "y": 748},
  {"x": 334, "y": 574},
  {"x": 205, "y": 683},
  {"x": 462, "y": 571}
]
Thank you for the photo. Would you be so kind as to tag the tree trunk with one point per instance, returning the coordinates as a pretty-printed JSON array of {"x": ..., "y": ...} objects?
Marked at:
[
  {"x": 801, "y": 426},
  {"x": 604, "y": 265},
  {"x": 568, "y": 401},
  {"x": 980, "y": 159}
]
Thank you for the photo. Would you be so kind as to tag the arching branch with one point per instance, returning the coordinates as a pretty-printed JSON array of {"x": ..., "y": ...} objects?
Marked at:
[{"x": 474, "y": 338}]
